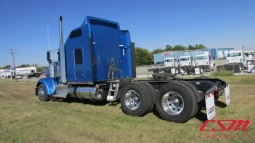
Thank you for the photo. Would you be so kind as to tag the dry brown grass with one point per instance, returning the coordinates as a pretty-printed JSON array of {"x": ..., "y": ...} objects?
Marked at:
[{"x": 24, "y": 119}]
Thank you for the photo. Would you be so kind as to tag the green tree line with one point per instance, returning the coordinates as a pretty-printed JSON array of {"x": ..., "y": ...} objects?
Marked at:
[{"x": 145, "y": 57}]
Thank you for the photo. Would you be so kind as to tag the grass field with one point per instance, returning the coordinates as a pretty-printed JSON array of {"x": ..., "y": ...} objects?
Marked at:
[{"x": 24, "y": 119}]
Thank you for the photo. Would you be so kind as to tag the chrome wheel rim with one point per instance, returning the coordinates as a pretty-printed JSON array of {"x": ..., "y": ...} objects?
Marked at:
[
  {"x": 40, "y": 93},
  {"x": 172, "y": 103},
  {"x": 132, "y": 100}
]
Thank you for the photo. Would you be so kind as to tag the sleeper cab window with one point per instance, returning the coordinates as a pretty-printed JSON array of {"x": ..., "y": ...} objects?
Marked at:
[
  {"x": 78, "y": 56},
  {"x": 75, "y": 33}
]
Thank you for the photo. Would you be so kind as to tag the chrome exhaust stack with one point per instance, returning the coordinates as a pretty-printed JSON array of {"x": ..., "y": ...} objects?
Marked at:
[
  {"x": 62, "y": 53},
  {"x": 60, "y": 29}
]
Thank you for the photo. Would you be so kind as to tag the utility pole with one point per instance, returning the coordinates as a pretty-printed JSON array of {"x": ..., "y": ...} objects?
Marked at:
[
  {"x": 12, "y": 52},
  {"x": 243, "y": 52}
]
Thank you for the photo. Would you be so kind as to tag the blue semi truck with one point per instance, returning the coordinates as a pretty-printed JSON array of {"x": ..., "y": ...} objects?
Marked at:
[{"x": 96, "y": 62}]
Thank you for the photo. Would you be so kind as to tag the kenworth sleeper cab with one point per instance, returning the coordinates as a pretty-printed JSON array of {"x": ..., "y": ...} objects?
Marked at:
[{"x": 96, "y": 62}]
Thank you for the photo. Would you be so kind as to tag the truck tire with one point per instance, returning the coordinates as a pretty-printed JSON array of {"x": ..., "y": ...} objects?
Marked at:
[
  {"x": 193, "y": 93},
  {"x": 152, "y": 91},
  {"x": 181, "y": 106},
  {"x": 42, "y": 93},
  {"x": 134, "y": 99}
]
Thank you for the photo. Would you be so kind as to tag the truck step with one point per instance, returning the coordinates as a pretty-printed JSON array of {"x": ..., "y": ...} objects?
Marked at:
[
  {"x": 61, "y": 91},
  {"x": 112, "y": 94},
  {"x": 60, "y": 94}
]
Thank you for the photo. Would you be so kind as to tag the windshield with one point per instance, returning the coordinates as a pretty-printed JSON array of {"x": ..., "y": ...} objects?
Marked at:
[
  {"x": 201, "y": 58},
  {"x": 168, "y": 60},
  {"x": 184, "y": 59},
  {"x": 249, "y": 53},
  {"x": 234, "y": 54}
]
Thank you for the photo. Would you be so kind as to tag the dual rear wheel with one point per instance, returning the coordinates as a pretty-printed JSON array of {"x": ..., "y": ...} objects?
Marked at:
[
  {"x": 136, "y": 99},
  {"x": 175, "y": 101}
]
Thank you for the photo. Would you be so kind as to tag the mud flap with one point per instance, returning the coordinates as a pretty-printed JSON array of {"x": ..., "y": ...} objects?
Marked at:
[
  {"x": 210, "y": 106},
  {"x": 227, "y": 94}
]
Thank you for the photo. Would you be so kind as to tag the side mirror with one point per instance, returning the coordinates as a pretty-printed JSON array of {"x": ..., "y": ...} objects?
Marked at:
[{"x": 48, "y": 56}]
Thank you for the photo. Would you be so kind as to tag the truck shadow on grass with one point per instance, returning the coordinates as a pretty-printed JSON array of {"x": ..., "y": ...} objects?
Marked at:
[
  {"x": 87, "y": 101},
  {"x": 199, "y": 116},
  {"x": 220, "y": 104}
]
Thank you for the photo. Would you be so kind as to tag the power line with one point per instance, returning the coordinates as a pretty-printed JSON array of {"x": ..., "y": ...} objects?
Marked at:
[{"x": 12, "y": 52}]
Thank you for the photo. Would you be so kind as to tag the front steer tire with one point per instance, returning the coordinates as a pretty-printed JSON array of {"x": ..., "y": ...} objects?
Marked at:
[
  {"x": 41, "y": 93},
  {"x": 126, "y": 100},
  {"x": 182, "y": 91}
]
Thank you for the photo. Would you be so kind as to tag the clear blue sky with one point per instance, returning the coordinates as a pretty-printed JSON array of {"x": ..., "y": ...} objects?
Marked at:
[{"x": 214, "y": 23}]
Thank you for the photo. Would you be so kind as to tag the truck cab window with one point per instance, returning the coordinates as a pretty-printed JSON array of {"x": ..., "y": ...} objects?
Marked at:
[{"x": 78, "y": 56}]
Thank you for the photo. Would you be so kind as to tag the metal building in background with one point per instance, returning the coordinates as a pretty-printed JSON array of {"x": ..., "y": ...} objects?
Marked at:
[{"x": 217, "y": 53}]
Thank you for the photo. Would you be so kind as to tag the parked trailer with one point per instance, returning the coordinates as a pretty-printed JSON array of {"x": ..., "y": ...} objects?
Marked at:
[
  {"x": 171, "y": 66},
  {"x": 91, "y": 67}
]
